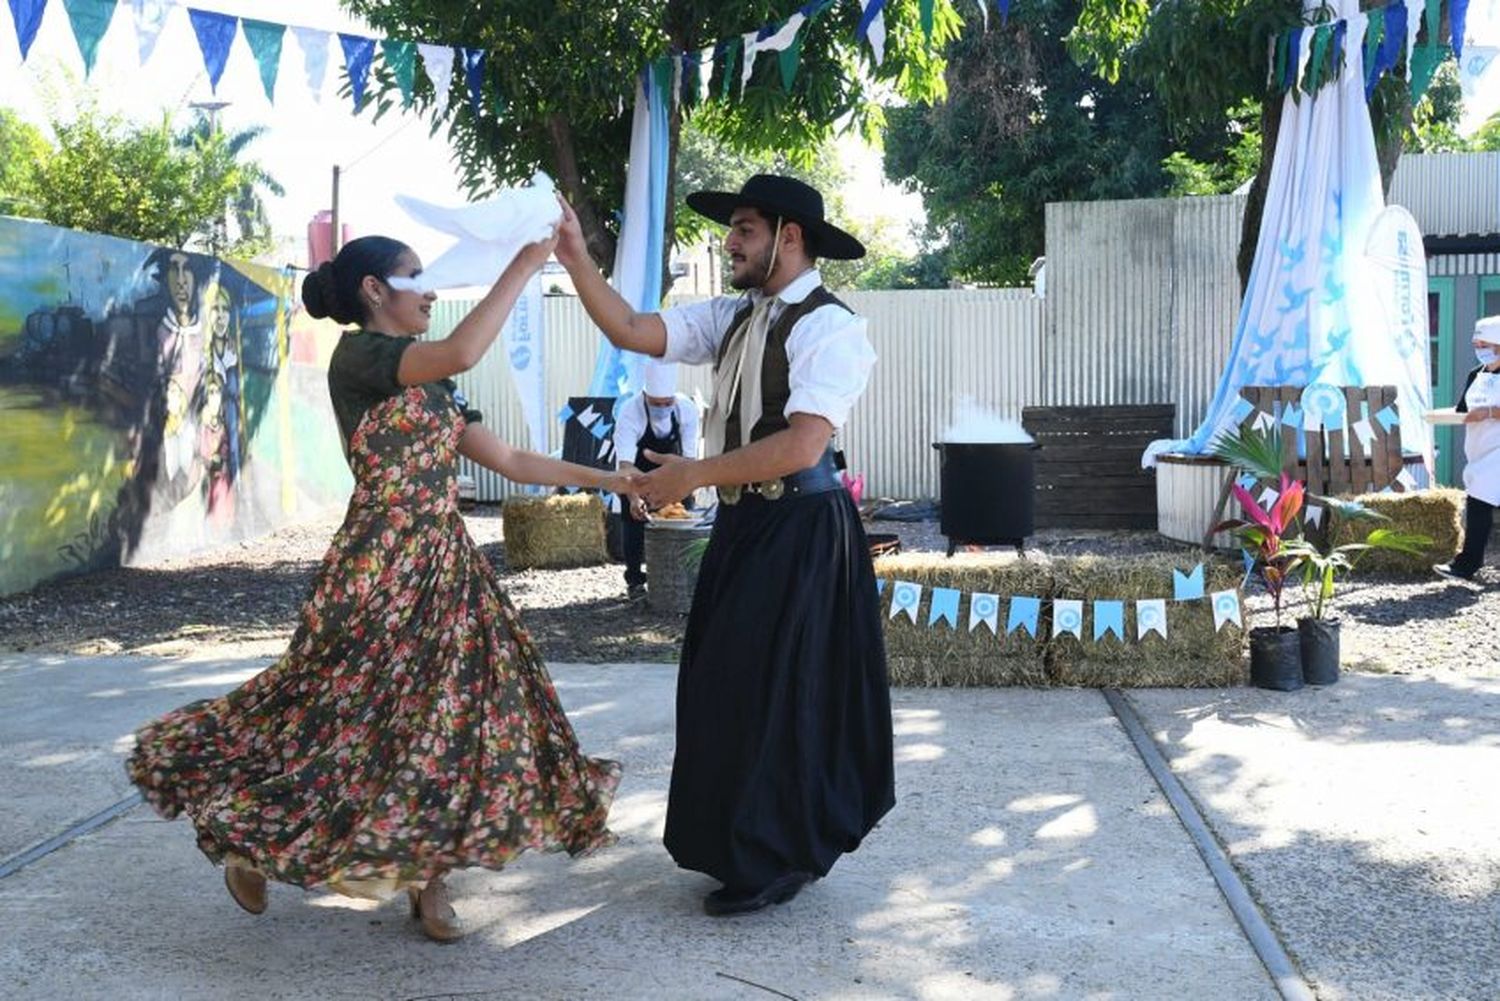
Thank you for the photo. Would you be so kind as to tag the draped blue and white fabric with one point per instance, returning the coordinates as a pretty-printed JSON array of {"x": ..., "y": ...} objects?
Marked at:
[
  {"x": 638, "y": 255},
  {"x": 1312, "y": 314}
]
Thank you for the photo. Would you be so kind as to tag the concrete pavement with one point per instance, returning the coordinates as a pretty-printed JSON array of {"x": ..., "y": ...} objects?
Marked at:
[{"x": 1030, "y": 855}]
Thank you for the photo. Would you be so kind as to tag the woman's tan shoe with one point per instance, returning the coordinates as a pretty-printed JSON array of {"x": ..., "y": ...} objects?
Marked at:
[
  {"x": 247, "y": 887},
  {"x": 431, "y": 906}
]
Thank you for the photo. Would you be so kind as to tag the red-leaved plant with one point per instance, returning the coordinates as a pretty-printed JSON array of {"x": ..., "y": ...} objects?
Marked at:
[{"x": 1265, "y": 536}]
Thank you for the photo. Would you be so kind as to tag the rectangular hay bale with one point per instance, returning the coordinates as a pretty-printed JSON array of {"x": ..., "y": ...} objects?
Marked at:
[
  {"x": 1435, "y": 513},
  {"x": 939, "y": 656},
  {"x": 565, "y": 530},
  {"x": 1193, "y": 655}
]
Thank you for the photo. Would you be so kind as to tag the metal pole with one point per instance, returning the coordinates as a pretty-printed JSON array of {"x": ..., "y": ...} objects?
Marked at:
[{"x": 334, "y": 236}]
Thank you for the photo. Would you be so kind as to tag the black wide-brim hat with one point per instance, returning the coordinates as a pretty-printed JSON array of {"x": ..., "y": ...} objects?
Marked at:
[{"x": 786, "y": 197}]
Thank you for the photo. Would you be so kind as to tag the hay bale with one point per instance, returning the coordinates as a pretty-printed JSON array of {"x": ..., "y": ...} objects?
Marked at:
[
  {"x": 1437, "y": 514},
  {"x": 566, "y": 530},
  {"x": 1193, "y": 655},
  {"x": 940, "y": 656}
]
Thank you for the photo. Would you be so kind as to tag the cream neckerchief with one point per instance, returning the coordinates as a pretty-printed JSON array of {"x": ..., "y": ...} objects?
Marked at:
[{"x": 747, "y": 347}]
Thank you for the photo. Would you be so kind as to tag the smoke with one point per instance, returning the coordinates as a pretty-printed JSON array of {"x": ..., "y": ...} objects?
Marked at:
[{"x": 973, "y": 424}]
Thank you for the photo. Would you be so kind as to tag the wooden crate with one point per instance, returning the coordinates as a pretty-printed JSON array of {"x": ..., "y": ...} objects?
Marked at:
[{"x": 1088, "y": 470}]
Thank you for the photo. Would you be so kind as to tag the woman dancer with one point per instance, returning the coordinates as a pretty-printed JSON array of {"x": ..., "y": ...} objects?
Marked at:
[{"x": 410, "y": 728}]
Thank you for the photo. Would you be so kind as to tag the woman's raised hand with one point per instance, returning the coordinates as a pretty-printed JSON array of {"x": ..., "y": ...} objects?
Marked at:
[{"x": 571, "y": 248}]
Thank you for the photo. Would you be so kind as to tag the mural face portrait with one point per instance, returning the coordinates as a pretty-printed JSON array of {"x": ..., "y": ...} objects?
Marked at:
[
  {"x": 182, "y": 288},
  {"x": 219, "y": 315}
]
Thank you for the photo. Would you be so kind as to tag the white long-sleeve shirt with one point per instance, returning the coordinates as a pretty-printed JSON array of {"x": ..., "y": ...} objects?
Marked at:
[
  {"x": 828, "y": 350},
  {"x": 630, "y": 425}
]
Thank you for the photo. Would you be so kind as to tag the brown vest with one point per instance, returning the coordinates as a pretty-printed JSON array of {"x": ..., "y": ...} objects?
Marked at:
[{"x": 775, "y": 369}]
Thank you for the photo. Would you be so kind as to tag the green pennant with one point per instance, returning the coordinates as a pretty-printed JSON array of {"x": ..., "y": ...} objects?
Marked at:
[
  {"x": 789, "y": 57},
  {"x": 401, "y": 60},
  {"x": 90, "y": 20},
  {"x": 662, "y": 70},
  {"x": 730, "y": 51},
  {"x": 1424, "y": 63},
  {"x": 1283, "y": 44},
  {"x": 1316, "y": 58},
  {"x": 927, "y": 19},
  {"x": 264, "y": 39},
  {"x": 1373, "y": 36}
]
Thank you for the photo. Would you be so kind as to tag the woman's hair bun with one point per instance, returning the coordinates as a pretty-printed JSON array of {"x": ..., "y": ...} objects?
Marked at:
[{"x": 320, "y": 291}]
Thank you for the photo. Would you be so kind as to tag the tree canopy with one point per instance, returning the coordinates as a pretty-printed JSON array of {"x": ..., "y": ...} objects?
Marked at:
[{"x": 558, "y": 84}]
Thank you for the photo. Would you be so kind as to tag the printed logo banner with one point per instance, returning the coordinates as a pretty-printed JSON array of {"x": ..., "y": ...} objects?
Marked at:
[
  {"x": 1067, "y": 617},
  {"x": 1226, "y": 609},
  {"x": 1150, "y": 617},
  {"x": 905, "y": 597},
  {"x": 522, "y": 337},
  {"x": 984, "y": 608}
]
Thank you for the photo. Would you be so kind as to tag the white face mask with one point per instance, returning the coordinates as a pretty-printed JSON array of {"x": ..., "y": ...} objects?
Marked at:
[
  {"x": 1487, "y": 355},
  {"x": 661, "y": 413}
]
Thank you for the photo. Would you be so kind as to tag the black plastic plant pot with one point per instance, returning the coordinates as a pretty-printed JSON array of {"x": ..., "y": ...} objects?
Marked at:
[
  {"x": 1320, "y": 650},
  {"x": 1276, "y": 658}
]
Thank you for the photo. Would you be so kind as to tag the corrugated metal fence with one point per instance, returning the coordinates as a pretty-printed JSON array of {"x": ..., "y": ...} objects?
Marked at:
[{"x": 934, "y": 347}]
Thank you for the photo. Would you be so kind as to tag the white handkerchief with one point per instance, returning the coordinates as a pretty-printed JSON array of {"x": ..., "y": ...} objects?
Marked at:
[{"x": 490, "y": 234}]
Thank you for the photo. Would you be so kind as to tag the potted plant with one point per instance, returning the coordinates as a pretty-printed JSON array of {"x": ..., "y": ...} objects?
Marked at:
[
  {"x": 1275, "y": 652},
  {"x": 1322, "y": 567}
]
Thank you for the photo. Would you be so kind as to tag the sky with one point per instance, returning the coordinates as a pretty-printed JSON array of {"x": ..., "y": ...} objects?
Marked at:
[{"x": 305, "y": 137}]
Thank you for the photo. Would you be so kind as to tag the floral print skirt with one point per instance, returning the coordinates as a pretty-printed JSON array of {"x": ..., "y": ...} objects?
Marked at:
[{"x": 411, "y": 727}]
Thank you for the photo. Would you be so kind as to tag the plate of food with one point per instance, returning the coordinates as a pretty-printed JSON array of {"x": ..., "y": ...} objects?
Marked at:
[{"x": 1444, "y": 415}]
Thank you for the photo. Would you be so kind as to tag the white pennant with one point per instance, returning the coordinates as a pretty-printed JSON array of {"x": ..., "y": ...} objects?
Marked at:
[
  {"x": 747, "y": 60},
  {"x": 438, "y": 61},
  {"x": 876, "y": 35},
  {"x": 905, "y": 597},
  {"x": 1268, "y": 497},
  {"x": 1264, "y": 421},
  {"x": 1304, "y": 55},
  {"x": 706, "y": 70},
  {"x": 1150, "y": 617},
  {"x": 150, "y": 19},
  {"x": 1406, "y": 479},
  {"x": 984, "y": 608},
  {"x": 1314, "y": 515},
  {"x": 783, "y": 37},
  {"x": 1364, "y": 431},
  {"x": 1226, "y": 609},
  {"x": 314, "y": 45},
  {"x": 985, "y": 10},
  {"x": 1067, "y": 617},
  {"x": 1414, "y": 18}
]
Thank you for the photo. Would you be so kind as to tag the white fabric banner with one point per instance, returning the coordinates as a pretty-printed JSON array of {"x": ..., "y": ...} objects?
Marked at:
[
  {"x": 522, "y": 335},
  {"x": 1398, "y": 263}
]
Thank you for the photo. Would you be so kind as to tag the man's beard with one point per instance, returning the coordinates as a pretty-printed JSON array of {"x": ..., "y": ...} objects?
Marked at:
[{"x": 762, "y": 268}]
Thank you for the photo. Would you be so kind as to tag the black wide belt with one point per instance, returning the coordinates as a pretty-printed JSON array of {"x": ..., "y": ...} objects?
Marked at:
[{"x": 817, "y": 479}]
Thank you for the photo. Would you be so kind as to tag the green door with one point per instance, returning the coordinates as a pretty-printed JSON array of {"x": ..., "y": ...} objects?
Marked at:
[
  {"x": 1440, "y": 343},
  {"x": 1489, "y": 298}
]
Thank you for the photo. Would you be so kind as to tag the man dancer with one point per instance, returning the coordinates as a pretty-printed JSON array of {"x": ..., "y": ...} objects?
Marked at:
[{"x": 783, "y": 758}]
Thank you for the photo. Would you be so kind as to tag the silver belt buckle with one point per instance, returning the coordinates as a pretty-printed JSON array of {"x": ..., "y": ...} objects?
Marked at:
[
  {"x": 772, "y": 489},
  {"x": 730, "y": 495}
]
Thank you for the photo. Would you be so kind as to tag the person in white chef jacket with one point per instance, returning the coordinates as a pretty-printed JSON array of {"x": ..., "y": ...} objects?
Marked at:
[
  {"x": 657, "y": 419},
  {"x": 1480, "y": 403}
]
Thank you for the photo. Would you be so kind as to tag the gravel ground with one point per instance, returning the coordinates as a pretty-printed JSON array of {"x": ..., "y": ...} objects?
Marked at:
[{"x": 247, "y": 596}]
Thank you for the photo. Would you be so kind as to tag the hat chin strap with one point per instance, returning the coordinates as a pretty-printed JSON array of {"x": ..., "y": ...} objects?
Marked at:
[{"x": 775, "y": 246}]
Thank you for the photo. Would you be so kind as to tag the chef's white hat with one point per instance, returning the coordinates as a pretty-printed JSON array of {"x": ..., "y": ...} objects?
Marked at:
[
  {"x": 660, "y": 378},
  {"x": 1488, "y": 330}
]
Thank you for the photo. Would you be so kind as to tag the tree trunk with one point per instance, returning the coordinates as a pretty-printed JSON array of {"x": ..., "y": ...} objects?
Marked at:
[
  {"x": 1255, "y": 203},
  {"x": 596, "y": 237},
  {"x": 674, "y": 136}
]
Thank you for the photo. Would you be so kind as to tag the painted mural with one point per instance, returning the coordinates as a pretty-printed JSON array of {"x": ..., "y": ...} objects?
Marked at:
[{"x": 153, "y": 403}]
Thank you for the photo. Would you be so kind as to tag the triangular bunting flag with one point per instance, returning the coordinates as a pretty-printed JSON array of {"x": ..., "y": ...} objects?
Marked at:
[
  {"x": 1458, "y": 16},
  {"x": 879, "y": 585},
  {"x": 1024, "y": 612},
  {"x": 1314, "y": 514},
  {"x": 944, "y": 607},
  {"x": 731, "y": 49},
  {"x": 28, "y": 17},
  {"x": 984, "y": 12},
  {"x": 1150, "y": 617},
  {"x": 264, "y": 39},
  {"x": 474, "y": 78},
  {"x": 1067, "y": 617},
  {"x": 1109, "y": 617},
  {"x": 905, "y": 597},
  {"x": 359, "y": 52},
  {"x": 215, "y": 35},
  {"x": 926, "y": 14},
  {"x": 872, "y": 27},
  {"x": 1004, "y": 6},
  {"x": 401, "y": 59},
  {"x": 984, "y": 608},
  {"x": 314, "y": 46},
  {"x": 90, "y": 20},
  {"x": 1187, "y": 586},
  {"x": 150, "y": 18},
  {"x": 1226, "y": 609},
  {"x": 789, "y": 57},
  {"x": 437, "y": 61},
  {"x": 749, "y": 49},
  {"x": 1388, "y": 418}
]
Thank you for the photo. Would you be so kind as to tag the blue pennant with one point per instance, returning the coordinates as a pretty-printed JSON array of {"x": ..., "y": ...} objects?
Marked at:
[
  {"x": 944, "y": 606},
  {"x": 215, "y": 34},
  {"x": 565, "y": 414},
  {"x": 1388, "y": 418},
  {"x": 1187, "y": 586},
  {"x": 865, "y": 20},
  {"x": 28, "y": 18},
  {"x": 358, "y": 54},
  {"x": 474, "y": 77},
  {"x": 1024, "y": 612},
  {"x": 1109, "y": 616}
]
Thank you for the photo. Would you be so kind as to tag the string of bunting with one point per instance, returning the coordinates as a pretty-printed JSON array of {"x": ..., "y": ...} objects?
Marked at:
[
  {"x": 1307, "y": 58},
  {"x": 216, "y": 32},
  {"x": 1321, "y": 410},
  {"x": 1025, "y": 611}
]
